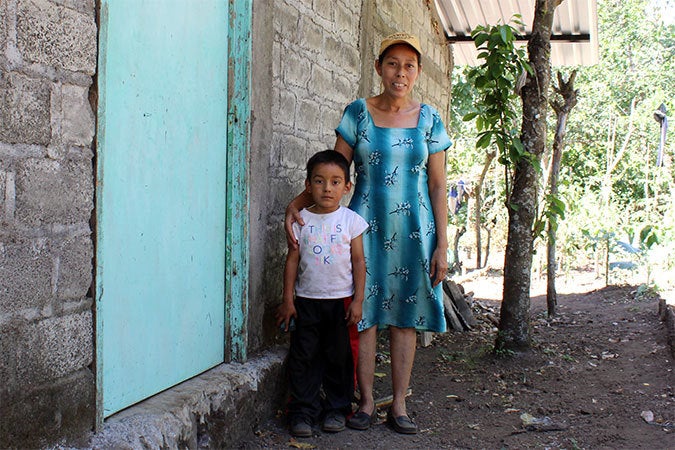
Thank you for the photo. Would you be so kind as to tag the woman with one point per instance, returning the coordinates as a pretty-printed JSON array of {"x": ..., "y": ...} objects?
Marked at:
[{"x": 398, "y": 148}]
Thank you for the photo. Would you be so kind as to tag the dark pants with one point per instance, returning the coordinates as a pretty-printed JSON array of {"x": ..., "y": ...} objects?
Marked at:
[{"x": 320, "y": 356}]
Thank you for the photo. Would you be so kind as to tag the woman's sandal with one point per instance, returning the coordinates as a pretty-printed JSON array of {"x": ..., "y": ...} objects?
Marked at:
[
  {"x": 361, "y": 420},
  {"x": 402, "y": 424}
]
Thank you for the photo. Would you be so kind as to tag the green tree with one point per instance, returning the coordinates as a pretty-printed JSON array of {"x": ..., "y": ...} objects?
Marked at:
[{"x": 514, "y": 321}]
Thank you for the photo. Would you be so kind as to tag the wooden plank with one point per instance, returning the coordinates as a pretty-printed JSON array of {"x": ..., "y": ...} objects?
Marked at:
[
  {"x": 425, "y": 338},
  {"x": 239, "y": 131},
  {"x": 458, "y": 300},
  {"x": 453, "y": 321}
]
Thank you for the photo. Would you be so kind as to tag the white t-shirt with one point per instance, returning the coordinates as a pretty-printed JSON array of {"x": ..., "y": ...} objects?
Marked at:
[{"x": 325, "y": 267}]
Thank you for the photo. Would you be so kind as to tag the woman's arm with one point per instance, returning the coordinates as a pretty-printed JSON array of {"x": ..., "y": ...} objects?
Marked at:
[
  {"x": 341, "y": 146},
  {"x": 303, "y": 200},
  {"x": 439, "y": 205}
]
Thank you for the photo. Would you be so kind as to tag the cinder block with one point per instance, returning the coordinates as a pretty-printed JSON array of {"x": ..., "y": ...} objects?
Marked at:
[
  {"x": 286, "y": 19},
  {"x": 51, "y": 348},
  {"x": 293, "y": 151},
  {"x": 24, "y": 109},
  {"x": 309, "y": 117},
  {"x": 3, "y": 26},
  {"x": 344, "y": 20},
  {"x": 296, "y": 70},
  {"x": 321, "y": 80},
  {"x": 324, "y": 9},
  {"x": 25, "y": 275},
  {"x": 63, "y": 410},
  {"x": 75, "y": 268},
  {"x": 77, "y": 118},
  {"x": 49, "y": 191},
  {"x": 3, "y": 194},
  {"x": 53, "y": 35},
  {"x": 286, "y": 108},
  {"x": 310, "y": 34}
]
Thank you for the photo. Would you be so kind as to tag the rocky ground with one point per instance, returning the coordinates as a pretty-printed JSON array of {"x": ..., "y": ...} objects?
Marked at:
[{"x": 600, "y": 375}]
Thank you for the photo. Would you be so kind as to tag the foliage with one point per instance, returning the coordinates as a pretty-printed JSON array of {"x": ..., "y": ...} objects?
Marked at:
[
  {"x": 609, "y": 182},
  {"x": 495, "y": 80},
  {"x": 609, "y": 176}
]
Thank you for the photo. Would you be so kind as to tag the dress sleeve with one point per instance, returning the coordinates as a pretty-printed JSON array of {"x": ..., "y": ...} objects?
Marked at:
[
  {"x": 437, "y": 138},
  {"x": 348, "y": 127}
]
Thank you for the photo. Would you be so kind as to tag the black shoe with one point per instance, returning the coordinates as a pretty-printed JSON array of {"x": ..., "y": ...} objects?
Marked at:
[
  {"x": 402, "y": 424},
  {"x": 334, "y": 422},
  {"x": 361, "y": 420},
  {"x": 301, "y": 426}
]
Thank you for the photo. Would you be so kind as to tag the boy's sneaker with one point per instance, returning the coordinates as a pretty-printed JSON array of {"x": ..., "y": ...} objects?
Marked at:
[
  {"x": 334, "y": 422},
  {"x": 301, "y": 426}
]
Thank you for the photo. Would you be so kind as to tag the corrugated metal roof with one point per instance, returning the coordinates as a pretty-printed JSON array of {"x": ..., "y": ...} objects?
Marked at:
[{"x": 574, "y": 38}]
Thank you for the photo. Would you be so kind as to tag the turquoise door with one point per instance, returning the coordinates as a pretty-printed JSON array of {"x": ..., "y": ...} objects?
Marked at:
[{"x": 161, "y": 195}]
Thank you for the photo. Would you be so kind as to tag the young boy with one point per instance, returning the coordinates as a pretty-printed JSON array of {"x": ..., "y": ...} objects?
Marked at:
[{"x": 327, "y": 275}]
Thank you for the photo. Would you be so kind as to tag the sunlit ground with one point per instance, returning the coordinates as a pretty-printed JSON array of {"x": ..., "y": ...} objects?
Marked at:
[{"x": 488, "y": 283}]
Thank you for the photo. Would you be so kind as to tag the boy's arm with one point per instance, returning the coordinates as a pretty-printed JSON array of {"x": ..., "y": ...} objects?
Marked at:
[
  {"x": 287, "y": 308},
  {"x": 355, "y": 310}
]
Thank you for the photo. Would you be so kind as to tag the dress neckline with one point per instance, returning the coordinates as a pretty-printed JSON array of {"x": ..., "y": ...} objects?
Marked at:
[{"x": 372, "y": 121}]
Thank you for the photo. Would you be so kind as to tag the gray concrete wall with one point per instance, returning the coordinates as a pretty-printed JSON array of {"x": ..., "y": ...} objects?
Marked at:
[
  {"x": 47, "y": 60},
  {"x": 311, "y": 58}
]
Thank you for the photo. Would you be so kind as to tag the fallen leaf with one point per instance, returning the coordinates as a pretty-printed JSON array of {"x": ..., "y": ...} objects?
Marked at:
[
  {"x": 380, "y": 374},
  {"x": 296, "y": 444}
]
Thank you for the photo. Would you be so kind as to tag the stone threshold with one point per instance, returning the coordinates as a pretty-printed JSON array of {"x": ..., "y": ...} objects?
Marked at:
[{"x": 212, "y": 410}]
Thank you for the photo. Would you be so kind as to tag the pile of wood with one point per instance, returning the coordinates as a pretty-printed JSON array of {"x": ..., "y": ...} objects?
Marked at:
[
  {"x": 464, "y": 313},
  {"x": 457, "y": 310}
]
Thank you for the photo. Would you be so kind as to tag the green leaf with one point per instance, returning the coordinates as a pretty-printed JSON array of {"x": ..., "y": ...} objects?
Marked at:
[
  {"x": 484, "y": 140},
  {"x": 480, "y": 123},
  {"x": 470, "y": 116},
  {"x": 504, "y": 33},
  {"x": 480, "y": 39}
]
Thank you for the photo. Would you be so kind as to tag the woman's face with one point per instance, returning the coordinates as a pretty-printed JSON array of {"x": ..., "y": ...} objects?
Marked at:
[{"x": 399, "y": 70}]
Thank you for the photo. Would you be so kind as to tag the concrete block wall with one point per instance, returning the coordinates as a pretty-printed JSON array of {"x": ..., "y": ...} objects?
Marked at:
[
  {"x": 47, "y": 124},
  {"x": 314, "y": 58}
]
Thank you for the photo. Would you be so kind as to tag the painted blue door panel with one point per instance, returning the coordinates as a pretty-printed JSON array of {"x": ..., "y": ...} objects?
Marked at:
[{"x": 161, "y": 212}]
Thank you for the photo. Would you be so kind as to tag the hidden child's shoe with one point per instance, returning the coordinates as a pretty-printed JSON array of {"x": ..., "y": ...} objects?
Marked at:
[
  {"x": 402, "y": 424},
  {"x": 333, "y": 422},
  {"x": 361, "y": 420},
  {"x": 301, "y": 426}
]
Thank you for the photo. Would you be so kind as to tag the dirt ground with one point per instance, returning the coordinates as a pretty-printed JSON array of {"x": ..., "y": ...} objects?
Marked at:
[{"x": 600, "y": 375}]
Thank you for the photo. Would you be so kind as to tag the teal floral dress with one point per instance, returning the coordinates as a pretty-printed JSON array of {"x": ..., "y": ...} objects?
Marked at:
[{"x": 392, "y": 194}]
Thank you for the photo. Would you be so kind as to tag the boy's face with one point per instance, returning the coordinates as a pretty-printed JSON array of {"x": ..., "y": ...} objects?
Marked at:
[{"x": 327, "y": 186}]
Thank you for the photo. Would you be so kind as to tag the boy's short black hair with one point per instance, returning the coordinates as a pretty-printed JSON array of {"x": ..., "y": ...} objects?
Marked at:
[{"x": 328, "y": 157}]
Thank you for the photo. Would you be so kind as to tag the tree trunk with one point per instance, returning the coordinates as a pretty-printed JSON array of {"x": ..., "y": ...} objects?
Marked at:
[
  {"x": 489, "y": 157},
  {"x": 514, "y": 323},
  {"x": 562, "y": 109}
]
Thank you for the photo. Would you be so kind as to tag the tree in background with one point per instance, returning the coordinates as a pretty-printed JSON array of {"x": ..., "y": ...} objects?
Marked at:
[
  {"x": 562, "y": 107},
  {"x": 611, "y": 182}
]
